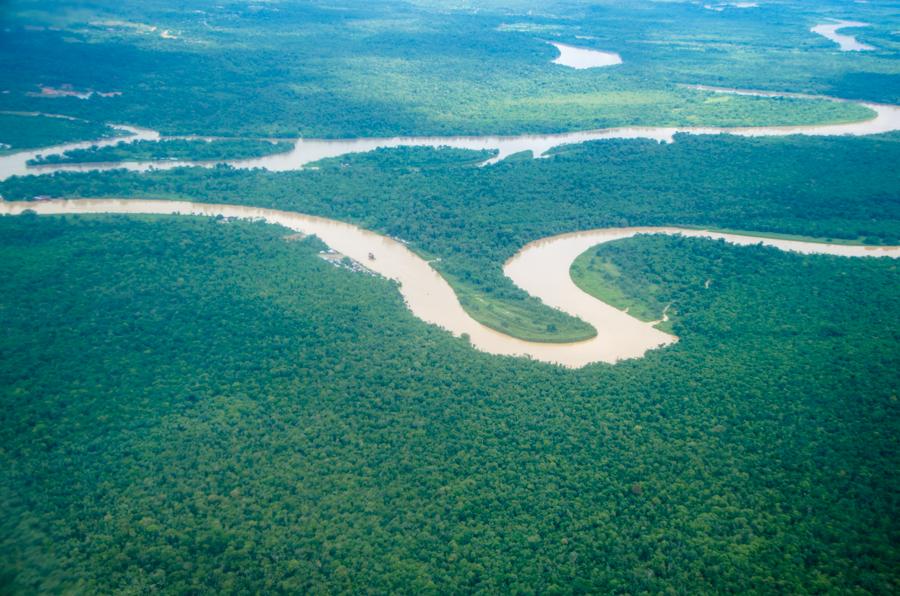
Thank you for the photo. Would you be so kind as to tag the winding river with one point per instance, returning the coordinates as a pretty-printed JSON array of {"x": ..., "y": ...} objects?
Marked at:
[
  {"x": 847, "y": 43},
  {"x": 885, "y": 118},
  {"x": 540, "y": 268}
]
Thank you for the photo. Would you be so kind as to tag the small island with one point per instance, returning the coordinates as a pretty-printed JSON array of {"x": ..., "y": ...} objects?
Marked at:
[{"x": 171, "y": 149}]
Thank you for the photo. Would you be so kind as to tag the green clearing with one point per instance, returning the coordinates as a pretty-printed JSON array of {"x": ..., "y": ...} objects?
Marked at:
[
  {"x": 526, "y": 319},
  {"x": 601, "y": 278}
]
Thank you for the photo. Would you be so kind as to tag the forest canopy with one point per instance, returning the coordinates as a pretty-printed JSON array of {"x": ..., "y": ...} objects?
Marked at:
[
  {"x": 274, "y": 69},
  {"x": 174, "y": 149},
  {"x": 475, "y": 218},
  {"x": 199, "y": 405},
  {"x": 189, "y": 406}
]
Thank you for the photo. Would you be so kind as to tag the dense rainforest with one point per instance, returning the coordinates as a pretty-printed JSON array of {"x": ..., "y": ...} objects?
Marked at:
[
  {"x": 191, "y": 406},
  {"x": 474, "y": 218},
  {"x": 258, "y": 69},
  {"x": 28, "y": 131},
  {"x": 201, "y": 405}
]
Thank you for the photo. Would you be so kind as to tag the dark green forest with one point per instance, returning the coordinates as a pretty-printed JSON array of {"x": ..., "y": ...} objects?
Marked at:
[
  {"x": 197, "y": 407},
  {"x": 194, "y": 150},
  {"x": 474, "y": 218},
  {"x": 26, "y": 131},
  {"x": 204, "y": 406}
]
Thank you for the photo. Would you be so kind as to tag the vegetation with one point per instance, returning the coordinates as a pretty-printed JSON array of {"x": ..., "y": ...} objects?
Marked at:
[
  {"x": 643, "y": 293},
  {"x": 189, "y": 406},
  {"x": 237, "y": 69},
  {"x": 181, "y": 149},
  {"x": 599, "y": 276},
  {"x": 523, "y": 318},
  {"x": 25, "y": 131},
  {"x": 473, "y": 219},
  {"x": 195, "y": 405}
]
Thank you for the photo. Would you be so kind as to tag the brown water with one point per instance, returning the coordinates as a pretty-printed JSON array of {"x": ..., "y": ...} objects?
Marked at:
[
  {"x": 885, "y": 118},
  {"x": 541, "y": 268},
  {"x": 16, "y": 164}
]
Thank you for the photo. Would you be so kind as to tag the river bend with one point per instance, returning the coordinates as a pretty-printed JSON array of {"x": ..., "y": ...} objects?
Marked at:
[{"x": 541, "y": 268}]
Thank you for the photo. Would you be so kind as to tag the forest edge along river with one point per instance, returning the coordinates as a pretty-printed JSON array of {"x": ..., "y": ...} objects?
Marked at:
[
  {"x": 541, "y": 268},
  {"x": 847, "y": 43},
  {"x": 885, "y": 118}
]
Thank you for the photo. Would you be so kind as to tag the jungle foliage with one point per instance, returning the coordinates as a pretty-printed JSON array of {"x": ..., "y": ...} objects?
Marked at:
[
  {"x": 196, "y": 406},
  {"x": 200, "y": 406},
  {"x": 273, "y": 69},
  {"x": 26, "y": 131},
  {"x": 186, "y": 149},
  {"x": 473, "y": 219}
]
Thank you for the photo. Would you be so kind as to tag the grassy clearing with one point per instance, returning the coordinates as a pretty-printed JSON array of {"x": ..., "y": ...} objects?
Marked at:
[
  {"x": 602, "y": 279},
  {"x": 526, "y": 319}
]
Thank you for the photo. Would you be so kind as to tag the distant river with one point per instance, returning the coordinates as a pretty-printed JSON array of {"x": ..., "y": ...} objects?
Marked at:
[
  {"x": 541, "y": 268},
  {"x": 886, "y": 118},
  {"x": 581, "y": 58},
  {"x": 847, "y": 43}
]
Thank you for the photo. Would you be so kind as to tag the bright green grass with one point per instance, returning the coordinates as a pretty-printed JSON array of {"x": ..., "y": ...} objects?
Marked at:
[
  {"x": 523, "y": 319},
  {"x": 601, "y": 278}
]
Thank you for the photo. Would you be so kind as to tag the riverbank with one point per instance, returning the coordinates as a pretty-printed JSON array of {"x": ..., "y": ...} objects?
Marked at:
[
  {"x": 884, "y": 118},
  {"x": 540, "y": 268}
]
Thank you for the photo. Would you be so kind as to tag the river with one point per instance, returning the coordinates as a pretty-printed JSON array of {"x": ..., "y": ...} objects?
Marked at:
[
  {"x": 847, "y": 43},
  {"x": 885, "y": 118},
  {"x": 541, "y": 268}
]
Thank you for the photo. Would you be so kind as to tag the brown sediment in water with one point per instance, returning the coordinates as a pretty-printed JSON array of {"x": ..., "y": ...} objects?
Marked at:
[{"x": 540, "y": 268}]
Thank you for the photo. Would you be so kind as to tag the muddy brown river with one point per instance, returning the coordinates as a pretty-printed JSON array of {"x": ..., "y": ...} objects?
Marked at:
[
  {"x": 540, "y": 268},
  {"x": 885, "y": 118}
]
